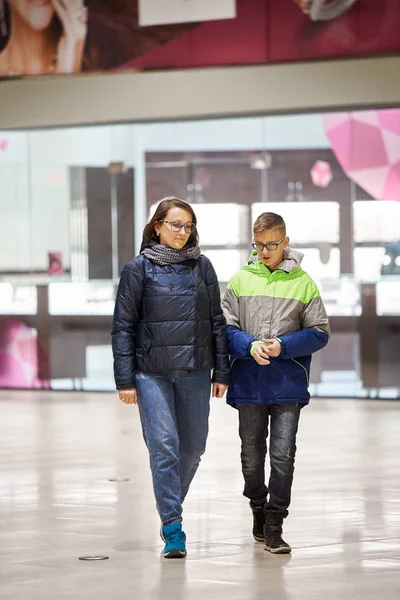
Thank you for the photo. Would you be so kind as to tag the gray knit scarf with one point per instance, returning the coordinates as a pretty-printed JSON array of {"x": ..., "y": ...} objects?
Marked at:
[{"x": 164, "y": 255}]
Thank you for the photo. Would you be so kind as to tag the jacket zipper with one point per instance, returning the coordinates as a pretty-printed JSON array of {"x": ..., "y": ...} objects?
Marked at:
[
  {"x": 295, "y": 361},
  {"x": 272, "y": 309},
  {"x": 196, "y": 272}
]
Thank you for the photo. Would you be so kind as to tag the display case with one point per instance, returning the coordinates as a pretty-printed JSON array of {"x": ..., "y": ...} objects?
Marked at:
[
  {"x": 17, "y": 299},
  {"x": 341, "y": 297},
  {"x": 306, "y": 222},
  {"x": 90, "y": 298},
  {"x": 388, "y": 296}
]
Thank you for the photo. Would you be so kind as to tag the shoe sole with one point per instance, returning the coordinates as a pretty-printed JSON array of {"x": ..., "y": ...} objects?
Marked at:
[
  {"x": 175, "y": 554},
  {"x": 278, "y": 550},
  {"x": 259, "y": 539}
]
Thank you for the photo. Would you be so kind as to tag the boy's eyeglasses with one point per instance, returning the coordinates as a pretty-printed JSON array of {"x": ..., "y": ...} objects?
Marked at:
[
  {"x": 176, "y": 226},
  {"x": 271, "y": 246}
]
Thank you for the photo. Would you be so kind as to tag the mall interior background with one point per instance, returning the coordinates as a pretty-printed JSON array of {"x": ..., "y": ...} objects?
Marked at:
[{"x": 74, "y": 202}]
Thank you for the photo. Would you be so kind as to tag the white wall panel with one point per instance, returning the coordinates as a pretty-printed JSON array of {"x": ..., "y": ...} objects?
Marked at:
[{"x": 163, "y": 12}]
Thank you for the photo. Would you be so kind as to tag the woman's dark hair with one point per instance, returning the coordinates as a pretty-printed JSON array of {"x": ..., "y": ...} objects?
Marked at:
[
  {"x": 4, "y": 24},
  {"x": 149, "y": 233}
]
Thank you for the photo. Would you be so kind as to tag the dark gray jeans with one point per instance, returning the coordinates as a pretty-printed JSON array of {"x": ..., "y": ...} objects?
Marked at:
[{"x": 281, "y": 422}]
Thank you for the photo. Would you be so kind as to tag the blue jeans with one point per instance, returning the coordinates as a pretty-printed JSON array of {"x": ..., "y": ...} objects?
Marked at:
[
  {"x": 254, "y": 422},
  {"x": 174, "y": 411}
]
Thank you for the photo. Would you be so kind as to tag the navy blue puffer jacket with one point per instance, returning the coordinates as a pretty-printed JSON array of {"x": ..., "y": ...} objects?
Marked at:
[{"x": 166, "y": 319}]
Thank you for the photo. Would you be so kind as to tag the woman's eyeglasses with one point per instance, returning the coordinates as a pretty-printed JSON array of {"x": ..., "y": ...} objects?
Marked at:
[
  {"x": 271, "y": 246},
  {"x": 176, "y": 226}
]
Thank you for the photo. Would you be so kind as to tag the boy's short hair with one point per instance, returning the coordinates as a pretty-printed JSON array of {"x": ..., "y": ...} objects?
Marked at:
[{"x": 269, "y": 220}]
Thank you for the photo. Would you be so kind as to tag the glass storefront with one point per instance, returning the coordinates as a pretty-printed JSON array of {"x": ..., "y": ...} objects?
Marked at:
[{"x": 73, "y": 204}]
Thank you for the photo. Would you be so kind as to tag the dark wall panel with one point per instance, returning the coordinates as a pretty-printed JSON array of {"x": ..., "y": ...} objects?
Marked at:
[{"x": 98, "y": 186}]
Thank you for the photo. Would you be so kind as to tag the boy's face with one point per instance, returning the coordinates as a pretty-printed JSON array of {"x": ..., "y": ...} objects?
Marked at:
[{"x": 271, "y": 256}]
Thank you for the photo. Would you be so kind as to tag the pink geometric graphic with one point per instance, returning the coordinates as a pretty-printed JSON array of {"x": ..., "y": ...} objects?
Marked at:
[
  {"x": 367, "y": 146},
  {"x": 392, "y": 184},
  {"x": 321, "y": 173},
  {"x": 18, "y": 356},
  {"x": 390, "y": 120}
]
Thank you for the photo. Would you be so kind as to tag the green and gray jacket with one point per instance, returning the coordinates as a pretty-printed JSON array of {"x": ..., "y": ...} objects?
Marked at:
[{"x": 284, "y": 304}]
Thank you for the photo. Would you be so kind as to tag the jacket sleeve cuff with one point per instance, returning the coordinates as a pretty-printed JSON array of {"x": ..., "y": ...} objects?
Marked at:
[
  {"x": 253, "y": 346},
  {"x": 218, "y": 377},
  {"x": 126, "y": 386},
  {"x": 283, "y": 347}
]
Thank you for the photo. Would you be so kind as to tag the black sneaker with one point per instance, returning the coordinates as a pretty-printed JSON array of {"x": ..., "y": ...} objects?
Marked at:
[
  {"x": 273, "y": 537},
  {"x": 258, "y": 522}
]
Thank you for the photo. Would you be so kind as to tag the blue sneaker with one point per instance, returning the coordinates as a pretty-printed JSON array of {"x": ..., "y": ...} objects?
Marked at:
[{"x": 175, "y": 541}]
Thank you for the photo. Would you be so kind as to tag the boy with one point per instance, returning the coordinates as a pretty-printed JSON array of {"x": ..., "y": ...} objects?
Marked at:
[{"x": 276, "y": 320}]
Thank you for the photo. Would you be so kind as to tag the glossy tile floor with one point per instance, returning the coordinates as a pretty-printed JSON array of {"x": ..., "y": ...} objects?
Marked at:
[{"x": 59, "y": 450}]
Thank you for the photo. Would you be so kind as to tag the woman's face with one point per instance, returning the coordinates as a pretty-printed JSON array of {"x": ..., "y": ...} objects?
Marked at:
[
  {"x": 170, "y": 238},
  {"x": 38, "y": 14}
]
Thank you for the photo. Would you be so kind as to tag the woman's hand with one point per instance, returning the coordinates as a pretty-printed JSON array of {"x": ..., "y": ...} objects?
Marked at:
[
  {"x": 73, "y": 15},
  {"x": 219, "y": 389},
  {"x": 128, "y": 396}
]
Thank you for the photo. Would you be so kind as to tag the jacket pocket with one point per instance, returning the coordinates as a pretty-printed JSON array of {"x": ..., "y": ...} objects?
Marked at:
[
  {"x": 244, "y": 380},
  {"x": 304, "y": 371}
]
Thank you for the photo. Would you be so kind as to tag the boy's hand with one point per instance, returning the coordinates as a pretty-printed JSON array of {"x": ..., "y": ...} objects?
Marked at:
[
  {"x": 259, "y": 353},
  {"x": 273, "y": 347}
]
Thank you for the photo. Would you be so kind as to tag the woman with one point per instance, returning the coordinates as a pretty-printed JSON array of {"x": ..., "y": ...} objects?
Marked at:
[
  {"x": 42, "y": 36},
  {"x": 168, "y": 334},
  {"x": 69, "y": 36}
]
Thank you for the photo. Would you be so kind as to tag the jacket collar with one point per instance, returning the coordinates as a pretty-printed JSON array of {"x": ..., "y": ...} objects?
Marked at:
[{"x": 291, "y": 260}]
